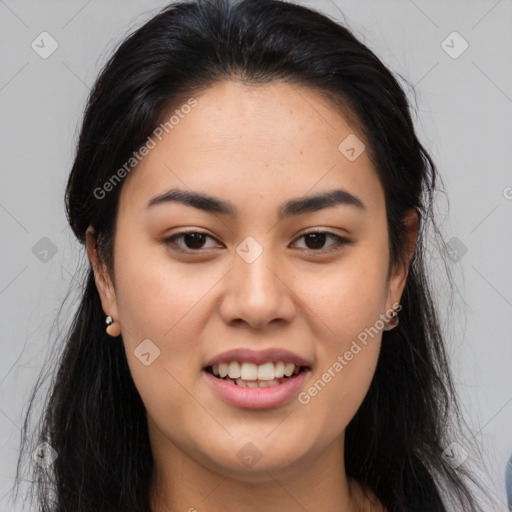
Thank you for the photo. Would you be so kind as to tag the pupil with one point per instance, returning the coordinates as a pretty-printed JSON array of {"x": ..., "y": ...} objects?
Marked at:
[
  {"x": 317, "y": 237},
  {"x": 196, "y": 239}
]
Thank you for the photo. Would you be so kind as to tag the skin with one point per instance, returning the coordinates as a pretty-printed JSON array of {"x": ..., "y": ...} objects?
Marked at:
[{"x": 256, "y": 147}]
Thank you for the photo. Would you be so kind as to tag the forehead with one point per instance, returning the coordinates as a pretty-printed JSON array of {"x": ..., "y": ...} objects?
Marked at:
[{"x": 246, "y": 141}]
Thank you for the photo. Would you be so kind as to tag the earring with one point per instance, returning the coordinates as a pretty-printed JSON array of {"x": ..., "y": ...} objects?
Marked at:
[
  {"x": 393, "y": 322},
  {"x": 113, "y": 327}
]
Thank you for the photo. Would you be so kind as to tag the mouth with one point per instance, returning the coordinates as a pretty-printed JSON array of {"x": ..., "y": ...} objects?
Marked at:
[{"x": 251, "y": 375}]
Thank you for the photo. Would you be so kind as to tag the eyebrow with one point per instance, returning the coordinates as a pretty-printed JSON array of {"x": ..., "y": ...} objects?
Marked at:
[{"x": 291, "y": 207}]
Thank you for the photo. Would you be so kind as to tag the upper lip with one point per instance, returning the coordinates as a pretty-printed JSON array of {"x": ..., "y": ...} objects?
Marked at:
[{"x": 246, "y": 355}]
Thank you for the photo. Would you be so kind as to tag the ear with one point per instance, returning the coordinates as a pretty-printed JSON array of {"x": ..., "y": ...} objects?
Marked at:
[
  {"x": 400, "y": 271},
  {"x": 101, "y": 278}
]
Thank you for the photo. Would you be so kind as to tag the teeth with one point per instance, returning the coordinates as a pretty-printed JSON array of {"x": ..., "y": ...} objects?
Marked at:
[
  {"x": 268, "y": 383},
  {"x": 255, "y": 383},
  {"x": 249, "y": 371},
  {"x": 244, "y": 373},
  {"x": 279, "y": 372},
  {"x": 266, "y": 371},
  {"x": 223, "y": 369},
  {"x": 288, "y": 369},
  {"x": 234, "y": 370}
]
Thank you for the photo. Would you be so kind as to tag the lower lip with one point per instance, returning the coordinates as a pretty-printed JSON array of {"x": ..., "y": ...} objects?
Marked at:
[{"x": 257, "y": 398}]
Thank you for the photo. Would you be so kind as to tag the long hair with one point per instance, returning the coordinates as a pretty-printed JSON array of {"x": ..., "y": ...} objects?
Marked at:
[{"x": 93, "y": 417}]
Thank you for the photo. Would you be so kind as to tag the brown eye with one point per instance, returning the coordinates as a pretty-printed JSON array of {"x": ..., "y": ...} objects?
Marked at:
[
  {"x": 315, "y": 240},
  {"x": 193, "y": 240}
]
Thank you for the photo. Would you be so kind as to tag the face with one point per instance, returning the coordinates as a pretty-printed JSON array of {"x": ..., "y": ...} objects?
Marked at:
[{"x": 240, "y": 282}]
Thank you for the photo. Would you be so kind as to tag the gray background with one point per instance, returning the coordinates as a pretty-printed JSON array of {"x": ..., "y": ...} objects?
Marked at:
[{"x": 464, "y": 119}]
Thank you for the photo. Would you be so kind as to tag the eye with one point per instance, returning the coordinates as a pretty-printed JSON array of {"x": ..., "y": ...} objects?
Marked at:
[
  {"x": 194, "y": 241},
  {"x": 316, "y": 239}
]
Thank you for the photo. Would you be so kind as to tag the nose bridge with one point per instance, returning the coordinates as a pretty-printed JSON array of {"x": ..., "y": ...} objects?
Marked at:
[
  {"x": 253, "y": 267},
  {"x": 257, "y": 293}
]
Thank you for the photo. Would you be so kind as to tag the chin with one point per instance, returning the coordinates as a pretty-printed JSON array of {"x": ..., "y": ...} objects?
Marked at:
[{"x": 259, "y": 465}]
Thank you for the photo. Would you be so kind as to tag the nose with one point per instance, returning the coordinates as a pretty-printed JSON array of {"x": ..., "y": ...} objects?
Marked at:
[{"x": 258, "y": 292}]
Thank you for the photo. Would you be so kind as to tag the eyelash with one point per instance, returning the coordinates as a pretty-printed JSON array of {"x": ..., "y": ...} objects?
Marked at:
[{"x": 339, "y": 241}]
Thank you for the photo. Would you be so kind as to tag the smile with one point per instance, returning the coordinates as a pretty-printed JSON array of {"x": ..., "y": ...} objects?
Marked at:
[
  {"x": 255, "y": 376},
  {"x": 248, "y": 385}
]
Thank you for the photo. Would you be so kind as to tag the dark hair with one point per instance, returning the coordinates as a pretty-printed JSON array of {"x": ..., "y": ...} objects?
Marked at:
[{"x": 94, "y": 417}]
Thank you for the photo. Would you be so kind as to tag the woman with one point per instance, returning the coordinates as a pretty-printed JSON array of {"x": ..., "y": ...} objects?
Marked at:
[{"x": 256, "y": 330}]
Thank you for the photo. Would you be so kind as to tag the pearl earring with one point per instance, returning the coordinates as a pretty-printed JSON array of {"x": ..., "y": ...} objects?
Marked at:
[{"x": 113, "y": 328}]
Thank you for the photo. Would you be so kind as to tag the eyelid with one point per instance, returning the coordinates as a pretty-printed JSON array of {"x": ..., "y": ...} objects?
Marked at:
[
  {"x": 169, "y": 240},
  {"x": 339, "y": 240}
]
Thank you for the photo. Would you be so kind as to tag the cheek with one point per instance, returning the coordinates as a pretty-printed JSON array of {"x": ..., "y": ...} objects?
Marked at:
[
  {"x": 159, "y": 300},
  {"x": 157, "y": 304},
  {"x": 155, "y": 294},
  {"x": 349, "y": 297},
  {"x": 347, "y": 305}
]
